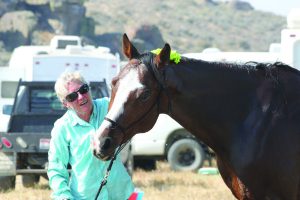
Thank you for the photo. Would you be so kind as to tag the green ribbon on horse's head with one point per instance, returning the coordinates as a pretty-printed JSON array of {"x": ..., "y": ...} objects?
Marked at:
[{"x": 174, "y": 56}]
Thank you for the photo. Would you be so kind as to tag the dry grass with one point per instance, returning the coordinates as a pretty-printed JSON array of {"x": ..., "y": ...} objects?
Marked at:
[
  {"x": 161, "y": 184},
  {"x": 164, "y": 184},
  {"x": 41, "y": 191}
]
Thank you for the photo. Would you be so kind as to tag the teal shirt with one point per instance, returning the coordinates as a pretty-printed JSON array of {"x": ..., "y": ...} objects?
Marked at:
[{"x": 71, "y": 143}]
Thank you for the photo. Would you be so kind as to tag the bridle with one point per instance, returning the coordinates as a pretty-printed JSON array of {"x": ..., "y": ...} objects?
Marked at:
[
  {"x": 162, "y": 87},
  {"x": 160, "y": 77},
  {"x": 124, "y": 129},
  {"x": 123, "y": 144}
]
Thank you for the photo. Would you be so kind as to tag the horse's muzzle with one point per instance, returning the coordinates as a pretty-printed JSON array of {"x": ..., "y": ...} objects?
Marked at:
[
  {"x": 101, "y": 156},
  {"x": 104, "y": 149},
  {"x": 105, "y": 141}
]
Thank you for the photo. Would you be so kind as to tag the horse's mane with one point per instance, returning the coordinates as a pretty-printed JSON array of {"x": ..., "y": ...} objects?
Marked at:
[
  {"x": 248, "y": 66},
  {"x": 271, "y": 70},
  {"x": 273, "y": 66}
]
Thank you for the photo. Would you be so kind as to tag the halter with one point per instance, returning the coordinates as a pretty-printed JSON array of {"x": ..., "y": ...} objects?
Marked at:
[
  {"x": 117, "y": 125},
  {"x": 162, "y": 86},
  {"x": 122, "y": 129}
]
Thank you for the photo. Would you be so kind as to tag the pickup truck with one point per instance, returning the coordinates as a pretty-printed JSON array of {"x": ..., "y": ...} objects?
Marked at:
[
  {"x": 24, "y": 147},
  {"x": 169, "y": 141}
]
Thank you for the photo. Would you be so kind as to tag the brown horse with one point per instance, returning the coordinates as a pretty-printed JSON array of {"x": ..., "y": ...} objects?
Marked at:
[{"x": 248, "y": 114}]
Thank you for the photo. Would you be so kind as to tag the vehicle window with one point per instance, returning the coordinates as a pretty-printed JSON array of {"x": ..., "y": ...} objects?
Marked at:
[
  {"x": 44, "y": 100},
  {"x": 99, "y": 90}
]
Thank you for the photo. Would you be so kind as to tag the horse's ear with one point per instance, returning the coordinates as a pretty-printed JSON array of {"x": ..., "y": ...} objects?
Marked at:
[
  {"x": 163, "y": 58},
  {"x": 128, "y": 49}
]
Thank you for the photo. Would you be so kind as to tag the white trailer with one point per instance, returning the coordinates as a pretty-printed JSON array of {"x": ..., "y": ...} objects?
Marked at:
[{"x": 65, "y": 53}]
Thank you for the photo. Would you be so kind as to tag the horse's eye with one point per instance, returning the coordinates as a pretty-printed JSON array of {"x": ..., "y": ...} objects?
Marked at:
[{"x": 145, "y": 95}]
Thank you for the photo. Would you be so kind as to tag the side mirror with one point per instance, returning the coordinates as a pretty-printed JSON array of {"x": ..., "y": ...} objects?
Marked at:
[{"x": 7, "y": 109}]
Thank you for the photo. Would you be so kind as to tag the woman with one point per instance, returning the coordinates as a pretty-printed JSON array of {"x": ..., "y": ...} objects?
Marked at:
[{"x": 70, "y": 145}]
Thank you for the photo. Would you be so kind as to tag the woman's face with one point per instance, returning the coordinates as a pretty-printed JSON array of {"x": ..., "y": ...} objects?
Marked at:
[{"x": 83, "y": 104}]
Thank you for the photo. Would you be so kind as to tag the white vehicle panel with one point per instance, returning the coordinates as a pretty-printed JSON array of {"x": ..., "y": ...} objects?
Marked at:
[{"x": 153, "y": 142}]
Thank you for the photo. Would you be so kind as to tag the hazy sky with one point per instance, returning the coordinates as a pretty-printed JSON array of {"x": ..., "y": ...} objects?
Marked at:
[{"x": 280, "y": 7}]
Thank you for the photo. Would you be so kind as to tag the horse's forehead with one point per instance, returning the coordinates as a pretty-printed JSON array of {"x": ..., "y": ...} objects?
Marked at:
[
  {"x": 130, "y": 81},
  {"x": 134, "y": 65},
  {"x": 127, "y": 85}
]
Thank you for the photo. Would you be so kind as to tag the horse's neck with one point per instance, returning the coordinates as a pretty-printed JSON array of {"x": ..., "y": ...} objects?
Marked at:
[{"x": 207, "y": 97}]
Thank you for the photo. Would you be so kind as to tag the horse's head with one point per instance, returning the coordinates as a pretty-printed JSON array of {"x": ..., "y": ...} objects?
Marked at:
[{"x": 135, "y": 101}]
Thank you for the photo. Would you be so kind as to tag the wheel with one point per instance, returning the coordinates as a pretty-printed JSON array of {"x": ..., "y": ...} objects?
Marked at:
[
  {"x": 186, "y": 155},
  {"x": 30, "y": 180},
  {"x": 7, "y": 182}
]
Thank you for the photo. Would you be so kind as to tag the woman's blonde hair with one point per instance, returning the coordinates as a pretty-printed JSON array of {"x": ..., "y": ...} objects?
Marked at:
[{"x": 61, "y": 84}]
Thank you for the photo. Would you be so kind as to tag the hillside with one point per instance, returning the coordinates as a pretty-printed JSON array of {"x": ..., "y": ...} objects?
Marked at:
[
  {"x": 191, "y": 25},
  {"x": 188, "y": 26}
]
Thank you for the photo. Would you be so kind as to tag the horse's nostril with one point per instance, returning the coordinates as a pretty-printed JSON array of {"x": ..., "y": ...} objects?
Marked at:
[{"x": 106, "y": 143}]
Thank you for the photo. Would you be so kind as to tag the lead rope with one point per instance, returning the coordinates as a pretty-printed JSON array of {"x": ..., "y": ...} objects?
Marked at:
[{"x": 104, "y": 180}]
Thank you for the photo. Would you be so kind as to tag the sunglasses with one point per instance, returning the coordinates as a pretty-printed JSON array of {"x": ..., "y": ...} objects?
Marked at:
[{"x": 74, "y": 95}]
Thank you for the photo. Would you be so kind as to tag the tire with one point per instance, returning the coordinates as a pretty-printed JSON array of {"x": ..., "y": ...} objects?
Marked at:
[
  {"x": 186, "y": 155},
  {"x": 7, "y": 183},
  {"x": 30, "y": 180}
]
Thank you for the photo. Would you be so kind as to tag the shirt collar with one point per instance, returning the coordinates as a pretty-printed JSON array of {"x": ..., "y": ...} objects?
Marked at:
[{"x": 74, "y": 119}]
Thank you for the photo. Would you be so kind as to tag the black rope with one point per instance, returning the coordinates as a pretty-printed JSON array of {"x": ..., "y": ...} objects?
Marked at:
[{"x": 104, "y": 180}]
